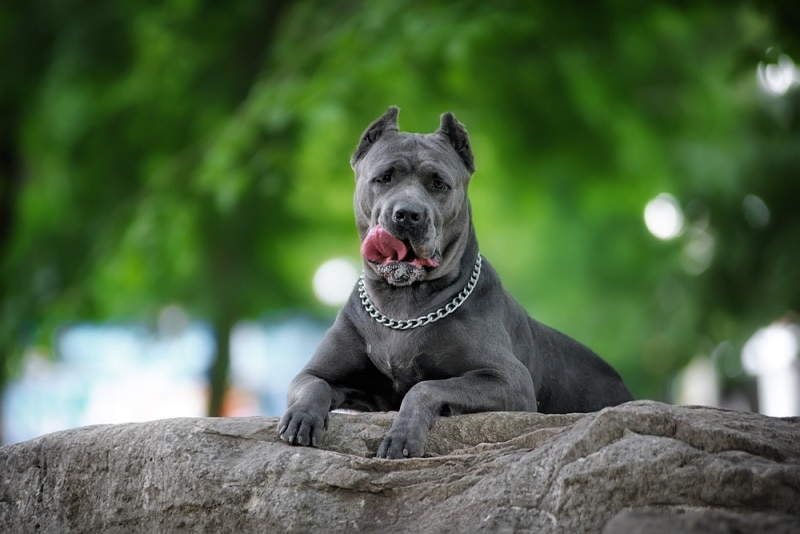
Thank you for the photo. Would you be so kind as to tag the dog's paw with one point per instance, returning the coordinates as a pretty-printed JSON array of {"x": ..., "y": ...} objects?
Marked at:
[
  {"x": 301, "y": 427},
  {"x": 402, "y": 443}
]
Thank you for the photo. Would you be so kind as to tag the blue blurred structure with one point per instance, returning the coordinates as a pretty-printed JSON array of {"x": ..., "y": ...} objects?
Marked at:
[{"x": 122, "y": 373}]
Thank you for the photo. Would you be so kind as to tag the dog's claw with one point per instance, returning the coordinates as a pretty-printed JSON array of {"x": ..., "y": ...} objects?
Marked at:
[
  {"x": 398, "y": 448},
  {"x": 301, "y": 428}
]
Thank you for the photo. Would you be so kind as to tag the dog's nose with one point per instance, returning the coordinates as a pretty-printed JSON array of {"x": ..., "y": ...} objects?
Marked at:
[{"x": 409, "y": 215}]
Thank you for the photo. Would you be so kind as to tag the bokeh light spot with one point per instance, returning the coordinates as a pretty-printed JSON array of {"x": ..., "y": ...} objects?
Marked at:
[
  {"x": 756, "y": 212},
  {"x": 334, "y": 280},
  {"x": 777, "y": 78},
  {"x": 664, "y": 217}
]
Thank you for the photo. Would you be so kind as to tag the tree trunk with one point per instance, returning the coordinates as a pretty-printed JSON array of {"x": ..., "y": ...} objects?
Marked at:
[{"x": 218, "y": 374}]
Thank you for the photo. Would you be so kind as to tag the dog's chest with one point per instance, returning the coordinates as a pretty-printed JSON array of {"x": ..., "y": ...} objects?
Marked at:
[{"x": 402, "y": 358}]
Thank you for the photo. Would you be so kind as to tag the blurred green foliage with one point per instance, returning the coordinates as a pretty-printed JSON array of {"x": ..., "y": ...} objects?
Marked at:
[{"x": 196, "y": 152}]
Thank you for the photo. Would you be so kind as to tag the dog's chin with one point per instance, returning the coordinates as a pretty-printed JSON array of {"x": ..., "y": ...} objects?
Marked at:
[{"x": 400, "y": 273}]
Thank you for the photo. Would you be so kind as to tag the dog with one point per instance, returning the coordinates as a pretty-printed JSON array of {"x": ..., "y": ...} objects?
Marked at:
[{"x": 429, "y": 330}]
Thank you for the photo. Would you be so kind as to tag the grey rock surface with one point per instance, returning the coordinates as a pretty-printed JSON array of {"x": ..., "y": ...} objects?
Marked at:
[{"x": 639, "y": 467}]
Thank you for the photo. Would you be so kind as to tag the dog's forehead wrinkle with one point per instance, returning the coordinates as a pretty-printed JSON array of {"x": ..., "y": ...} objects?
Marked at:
[
  {"x": 437, "y": 149},
  {"x": 410, "y": 146},
  {"x": 399, "y": 164},
  {"x": 423, "y": 166},
  {"x": 385, "y": 155}
]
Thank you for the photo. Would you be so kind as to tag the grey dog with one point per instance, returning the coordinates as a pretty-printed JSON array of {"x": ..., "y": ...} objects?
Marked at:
[{"x": 429, "y": 329}]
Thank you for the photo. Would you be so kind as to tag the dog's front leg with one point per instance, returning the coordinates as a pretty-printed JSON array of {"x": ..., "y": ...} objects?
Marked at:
[
  {"x": 339, "y": 370},
  {"x": 307, "y": 414},
  {"x": 483, "y": 391}
]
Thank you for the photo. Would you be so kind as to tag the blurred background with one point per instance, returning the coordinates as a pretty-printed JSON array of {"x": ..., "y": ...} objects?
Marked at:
[{"x": 176, "y": 227}]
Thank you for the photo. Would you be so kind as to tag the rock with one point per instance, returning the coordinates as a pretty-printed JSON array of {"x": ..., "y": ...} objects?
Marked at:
[
  {"x": 639, "y": 467},
  {"x": 686, "y": 520}
]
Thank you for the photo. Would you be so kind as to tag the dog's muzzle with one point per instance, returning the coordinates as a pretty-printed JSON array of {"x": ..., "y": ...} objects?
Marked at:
[{"x": 394, "y": 259}]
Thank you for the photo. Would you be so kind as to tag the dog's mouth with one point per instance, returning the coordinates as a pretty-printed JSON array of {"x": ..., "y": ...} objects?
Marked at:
[{"x": 382, "y": 248}]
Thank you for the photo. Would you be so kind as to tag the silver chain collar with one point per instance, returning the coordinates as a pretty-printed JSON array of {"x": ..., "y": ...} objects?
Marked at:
[{"x": 432, "y": 317}]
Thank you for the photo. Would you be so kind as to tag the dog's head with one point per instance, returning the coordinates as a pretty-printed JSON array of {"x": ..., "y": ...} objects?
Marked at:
[{"x": 411, "y": 204}]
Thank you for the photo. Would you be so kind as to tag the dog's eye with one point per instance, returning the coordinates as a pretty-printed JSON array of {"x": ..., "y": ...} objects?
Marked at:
[
  {"x": 385, "y": 177},
  {"x": 439, "y": 184}
]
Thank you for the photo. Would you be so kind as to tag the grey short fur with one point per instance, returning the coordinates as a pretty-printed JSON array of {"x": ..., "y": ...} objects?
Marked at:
[{"x": 488, "y": 355}]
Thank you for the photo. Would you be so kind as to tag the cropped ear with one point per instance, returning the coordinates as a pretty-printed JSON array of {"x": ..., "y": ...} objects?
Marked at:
[
  {"x": 385, "y": 123},
  {"x": 457, "y": 136}
]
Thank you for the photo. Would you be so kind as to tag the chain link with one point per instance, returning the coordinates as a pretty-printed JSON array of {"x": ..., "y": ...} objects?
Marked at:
[{"x": 423, "y": 320}]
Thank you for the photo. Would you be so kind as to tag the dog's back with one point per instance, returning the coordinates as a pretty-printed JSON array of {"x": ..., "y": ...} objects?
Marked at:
[{"x": 568, "y": 376}]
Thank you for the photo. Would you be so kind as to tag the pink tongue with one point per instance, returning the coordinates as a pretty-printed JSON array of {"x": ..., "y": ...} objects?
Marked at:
[{"x": 381, "y": 247}]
